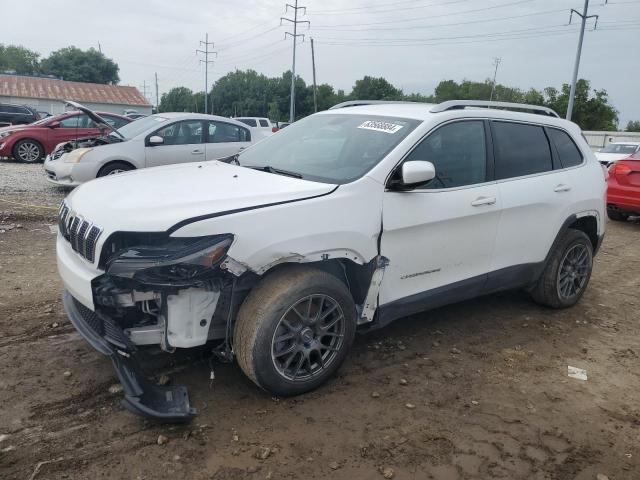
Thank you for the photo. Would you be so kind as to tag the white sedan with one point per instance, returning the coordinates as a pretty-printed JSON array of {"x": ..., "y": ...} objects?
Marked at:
[
  {"x": 160, "y": 139},
  {"x": 617, "y": 151}
]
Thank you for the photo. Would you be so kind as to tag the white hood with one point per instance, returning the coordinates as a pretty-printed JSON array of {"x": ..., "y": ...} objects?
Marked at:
[
  {"x": 155, "y": 199},
  {"x": 610, "y": 157}
]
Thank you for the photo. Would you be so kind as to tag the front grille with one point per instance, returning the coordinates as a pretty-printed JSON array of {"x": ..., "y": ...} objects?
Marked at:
[
  {"x": 81, "y": 234},
  {"x": 105, "y": 327}
]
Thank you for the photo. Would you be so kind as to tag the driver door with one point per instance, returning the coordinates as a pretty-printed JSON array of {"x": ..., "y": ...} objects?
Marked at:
[
  {"x": 182, "y": 142},
  {"x": 439, "y": 237}
]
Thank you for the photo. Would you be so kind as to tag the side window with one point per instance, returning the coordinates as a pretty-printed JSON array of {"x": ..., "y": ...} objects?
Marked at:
[
  {"x": 181, "y": 133},
  {"x": 220, "y": 132},
  {"x": 248, "y": 121},
  {"x": 75, "y": 121},
  {"x": 568, "y": 152},
  {"x": 263, "y": 123},
  {"x": 458, "y": 152},
  {"x": 24, "y": 111},
  {"x": 520, "y": 149}
]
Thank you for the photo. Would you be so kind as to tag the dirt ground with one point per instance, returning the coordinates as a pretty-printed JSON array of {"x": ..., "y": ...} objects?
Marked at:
[{"x": 477, "y": 390}]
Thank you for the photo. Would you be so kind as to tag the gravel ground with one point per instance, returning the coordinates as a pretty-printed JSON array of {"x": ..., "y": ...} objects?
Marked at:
[{"x": 26, "y": 184}]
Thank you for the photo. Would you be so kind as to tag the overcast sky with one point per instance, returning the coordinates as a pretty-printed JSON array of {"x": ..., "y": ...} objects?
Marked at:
[{"x": 412, "y": 43}]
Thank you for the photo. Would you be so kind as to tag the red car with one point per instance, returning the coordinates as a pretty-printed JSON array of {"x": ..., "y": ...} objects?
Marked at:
[
  {"x": 623, "y": 192},
  {"x": 31, "y": 143}
]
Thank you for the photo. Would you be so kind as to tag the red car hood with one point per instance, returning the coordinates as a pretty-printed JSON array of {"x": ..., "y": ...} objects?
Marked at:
[{"x": 15, "y": 128}]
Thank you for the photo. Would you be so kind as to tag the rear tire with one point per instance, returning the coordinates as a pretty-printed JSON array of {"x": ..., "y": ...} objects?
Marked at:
[
  {"x": 28, "y": 151},
  {"x": 114, "y": 168},
  {"x": 294, "y": 330},
  {"x": 617, "y": 216},
  {"x": 567, "y": 273}
]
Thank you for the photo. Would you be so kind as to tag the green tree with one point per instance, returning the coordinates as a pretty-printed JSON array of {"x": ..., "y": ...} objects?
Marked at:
[
  {"x": 375, "y": 88},
  {"x": 178, "y": 99},
  {"x": 633, "y": 126},
  {"x": 591, "y": 110},
  {"x": 19, "y": 59},
  {"x": 77, "y": 65}
]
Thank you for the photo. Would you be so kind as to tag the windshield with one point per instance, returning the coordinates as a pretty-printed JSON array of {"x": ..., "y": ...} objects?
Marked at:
[
  {"x": 620, "y": 148},
  {"x": 331, "y": 148},
  {"x": 134, "y": 129}
]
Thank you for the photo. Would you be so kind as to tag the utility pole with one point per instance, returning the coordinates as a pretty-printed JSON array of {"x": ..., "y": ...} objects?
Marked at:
[
  {"x": 584, "y": 16},
  {"x": 157, "y": 101},
  {"x": 206, "y": 62},
  {"x": 294, "y": 35},
  {"x": 144, "y": 89},
  {"x": 496, "y": 63},
  {"x": 313, "y": 64}
]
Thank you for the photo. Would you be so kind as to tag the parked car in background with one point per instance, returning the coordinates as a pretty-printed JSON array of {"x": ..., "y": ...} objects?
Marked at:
[
  {"x": 160, "y": 139},
  {"x": 11, "y": 114},
  {"x": 623, "y": 192},
  {"x": 617, "y": 151},
  {"x": 31, "y": 143},
  {"x": 348, "y": 219},
  {"x": 135, "y": 116},
  {"x": 261, "y": 126},
  {"x": 282, "y": 125}
]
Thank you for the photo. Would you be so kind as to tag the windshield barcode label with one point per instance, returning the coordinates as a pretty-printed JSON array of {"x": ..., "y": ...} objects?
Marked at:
[{"x": 380, "y": 126}]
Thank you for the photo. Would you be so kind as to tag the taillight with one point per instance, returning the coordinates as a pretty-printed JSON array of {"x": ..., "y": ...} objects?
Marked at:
[
  {"x": 620, "y": 169},
  {"x": 274, "y": 129}
]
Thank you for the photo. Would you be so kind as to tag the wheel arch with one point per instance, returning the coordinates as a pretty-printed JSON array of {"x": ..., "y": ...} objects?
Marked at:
[{"x": 111, "y": 162}]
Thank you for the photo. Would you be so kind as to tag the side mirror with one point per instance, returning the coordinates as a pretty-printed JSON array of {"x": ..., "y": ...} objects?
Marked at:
[
  {"x": 415, "y": 173},
  {"x": 155, "y": 140},
  {"x": 54, "y": 124}
]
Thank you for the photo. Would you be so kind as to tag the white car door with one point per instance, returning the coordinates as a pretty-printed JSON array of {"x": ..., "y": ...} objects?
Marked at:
[
  {"x": 535, "y": 197},
  {"x": 182, "y": 142},
  {"x": 441, "y": 236},
  {"x": 225, "y": 139}
]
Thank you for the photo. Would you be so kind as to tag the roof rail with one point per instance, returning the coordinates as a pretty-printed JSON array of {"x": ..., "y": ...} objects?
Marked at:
[
  {"x": 358, "y": 103},
  {"x": 461, "y": 104}
]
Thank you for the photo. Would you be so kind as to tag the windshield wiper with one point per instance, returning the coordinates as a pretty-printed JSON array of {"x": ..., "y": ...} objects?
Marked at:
[{"x": 277, "y": 171}]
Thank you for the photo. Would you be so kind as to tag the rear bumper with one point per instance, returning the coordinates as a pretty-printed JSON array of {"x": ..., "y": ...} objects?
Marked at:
[{"x": 165, "y": 403}]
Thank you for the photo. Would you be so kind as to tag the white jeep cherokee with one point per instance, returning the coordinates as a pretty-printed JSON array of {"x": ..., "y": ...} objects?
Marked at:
[{"x": 347, "y": 219}]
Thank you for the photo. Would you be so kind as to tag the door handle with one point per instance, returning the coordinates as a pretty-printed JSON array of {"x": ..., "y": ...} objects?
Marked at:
[
  {"x": 196, "y": 152},
  {"x": 562, "y": 188},
  {"x": 483, "y": 201}
]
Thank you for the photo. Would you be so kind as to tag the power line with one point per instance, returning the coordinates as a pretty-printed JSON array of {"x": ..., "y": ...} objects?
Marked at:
[
  {"x": 440, "y": 25},
  {"x": 206, "y": 62},
  {"x": 294, "y": 36},
  {"x": 462, "y": 12},
  {"x": 372, "y": 10}
]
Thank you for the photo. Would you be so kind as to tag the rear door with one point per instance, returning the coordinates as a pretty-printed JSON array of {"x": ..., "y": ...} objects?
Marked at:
[
  {"x": 440, "y": 236},
  {"x": 183, "y": 142},
  {"x": 225, "y": 139},
  {"x": 72, "y": 127},
  {"x": 536, "y": 198}
]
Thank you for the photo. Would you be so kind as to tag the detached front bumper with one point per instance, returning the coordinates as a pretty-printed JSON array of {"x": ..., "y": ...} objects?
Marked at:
[{"x": 165, "y": 403}]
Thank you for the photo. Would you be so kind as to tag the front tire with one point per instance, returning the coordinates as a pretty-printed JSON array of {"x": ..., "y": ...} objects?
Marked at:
[
  {"x": 567, "y": 273},
  {"x": 28, "y": 151},
  {"x": 294, "y": 330},
  {"x": 617, "y": 216},
  {"x": 114, "y": 168}
]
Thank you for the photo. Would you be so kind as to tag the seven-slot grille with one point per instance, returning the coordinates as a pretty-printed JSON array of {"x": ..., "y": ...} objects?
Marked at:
[{"x": 81, "y": 234}]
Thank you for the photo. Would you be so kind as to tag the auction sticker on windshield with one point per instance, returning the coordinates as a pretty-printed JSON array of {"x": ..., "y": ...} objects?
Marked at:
[{"x": 379, "y": 126}]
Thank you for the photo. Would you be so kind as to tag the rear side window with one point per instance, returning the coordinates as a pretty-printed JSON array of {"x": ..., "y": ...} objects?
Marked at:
[
  {"x": 248, "y": 121},
  {"x": 569, "y": 154},
  {"x": 458, "y": 153},
  {"x": 520, "y": 149},
  {"x": 263, "y": 123},
  {"x": 220, "y": 132}
]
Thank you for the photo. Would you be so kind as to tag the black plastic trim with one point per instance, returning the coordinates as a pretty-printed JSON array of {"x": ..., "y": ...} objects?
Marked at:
[
  {"x": 165, "y": 403},
  {"x": 199, "y": 218}
]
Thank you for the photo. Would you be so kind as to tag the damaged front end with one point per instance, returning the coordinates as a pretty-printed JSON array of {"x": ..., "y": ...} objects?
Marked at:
[{"x": 157, "y": 290}]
